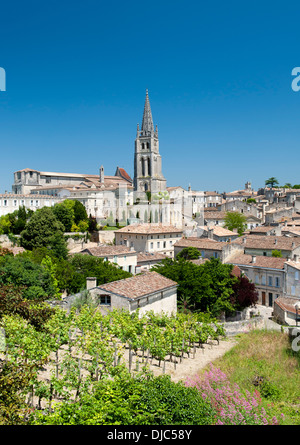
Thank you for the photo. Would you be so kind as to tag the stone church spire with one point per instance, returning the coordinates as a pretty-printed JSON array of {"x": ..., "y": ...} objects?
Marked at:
[
  {"x": 148, "y": 175},
  {"x": 147, "y": 123}
]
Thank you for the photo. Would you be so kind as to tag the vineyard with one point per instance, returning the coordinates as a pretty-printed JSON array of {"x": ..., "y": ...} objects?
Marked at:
[{"x": 76, "y": 349}]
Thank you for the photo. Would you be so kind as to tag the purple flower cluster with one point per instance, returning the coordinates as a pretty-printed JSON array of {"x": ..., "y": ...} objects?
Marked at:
[{"x": 232, "y": 407}]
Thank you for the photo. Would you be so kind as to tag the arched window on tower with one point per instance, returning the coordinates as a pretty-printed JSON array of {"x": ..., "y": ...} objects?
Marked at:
[
  {"x": 149, "y": 166},
  {"x": 146, "y": 187},
  {"x": 143, "y": 146},
  {"x": 148, "y": 144},
  {"x": 143, "y": 167}
]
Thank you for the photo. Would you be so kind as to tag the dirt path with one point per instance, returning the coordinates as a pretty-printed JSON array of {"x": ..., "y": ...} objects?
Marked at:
[{"x": 191, "y": 366}]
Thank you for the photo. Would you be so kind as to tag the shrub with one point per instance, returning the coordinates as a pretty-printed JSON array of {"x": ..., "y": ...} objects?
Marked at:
[{"x": 232, "y": 407}]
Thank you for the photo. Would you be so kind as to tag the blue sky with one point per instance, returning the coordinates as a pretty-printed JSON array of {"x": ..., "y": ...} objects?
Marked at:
[{"x": 218, "y": 75}]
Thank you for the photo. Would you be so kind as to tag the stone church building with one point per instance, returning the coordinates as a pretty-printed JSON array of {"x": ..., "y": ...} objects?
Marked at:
[{"x": 146, "y": 197}]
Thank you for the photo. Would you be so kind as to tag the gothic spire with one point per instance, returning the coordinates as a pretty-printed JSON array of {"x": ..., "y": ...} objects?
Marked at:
[{"x": 147, "y": 124}]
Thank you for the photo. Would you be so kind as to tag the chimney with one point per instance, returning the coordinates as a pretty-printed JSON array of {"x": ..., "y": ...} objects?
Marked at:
[
  {"x": 253, "y": 259},
  {"x": 296, "y": 258},
  {"x": 275, "y": 241},
  {"x": 244, "y": 240},
  {"x": 102, "y": 174},
  {"x": 91, "y": 282}
]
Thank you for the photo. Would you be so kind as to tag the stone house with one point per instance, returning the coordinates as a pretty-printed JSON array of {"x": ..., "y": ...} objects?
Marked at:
[
  {"x": 266, "y": 230},
  {"x": 149, "y": 237},
  {"x": 209, "y": 248},
  {"x": 214, "y": 217},
  {"x": 267, "y": 273},
  {"x": 265, "y": 245},
  {"x": 292, "y": 283},
  {"x": 279, "y": 214},
  {"x": 146, "y": 260},
  {"x": 148, "y": 291},
  {"x": 124, "y": 257},
  {"x": 287, "y": 311},
  {"x": 217, "y": 233}
]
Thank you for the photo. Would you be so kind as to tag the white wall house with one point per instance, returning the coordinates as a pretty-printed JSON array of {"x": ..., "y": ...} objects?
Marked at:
[
  {"x": 148, "y": 291},
  {"x": 10, "y": 202},
  {"x": 149, "y": 237}
]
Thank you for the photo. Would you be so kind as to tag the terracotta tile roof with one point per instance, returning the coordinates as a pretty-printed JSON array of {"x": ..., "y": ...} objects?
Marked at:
[
  {"x": 294, "y": 264},
  {"x": 124, "y": 174},
  {"x": 267, "y": 262},
  {"x": 262, "y": 229},
  {"x": 139, "y": 285},
  {"x": 103, "y": 251},
  {"x": 287, "y": 304},
  {"x": 211, "y": 214},
  {"x": 268, "y": 242},
  {"x": 201, "y": 243},
  {"x": 27, "y": 170},
  {"x": 147, "y": 256},
  {"x": 218, "y": 230},
  {"x": 149, "y": 228}
]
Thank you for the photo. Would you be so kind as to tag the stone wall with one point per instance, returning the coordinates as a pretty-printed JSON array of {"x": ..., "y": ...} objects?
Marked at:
[{"x": 241, "y": 327}]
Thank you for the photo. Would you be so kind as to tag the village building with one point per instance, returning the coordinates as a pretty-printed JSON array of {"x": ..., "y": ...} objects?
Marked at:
[
  {"x": 266, "y": 231},
  {"x": 125, "y": 258},
  {"x": 266, "y": 245},
  {"x": 287, "y": 311},
  {"x": 10, "y": 202},
  {"x": 267, "y": 273},
  {"x": 146, "y": 260},
  {"x": 149, "y": 237},
  {"x": 217, "y": 233},
  {"x": 148, "y": 291},
  {"x": 208, "y": 248},
  {"x": 292, "y": 283}
]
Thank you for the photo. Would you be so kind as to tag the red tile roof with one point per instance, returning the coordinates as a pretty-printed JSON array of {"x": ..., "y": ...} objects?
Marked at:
[{"x": 139, "y": 285}]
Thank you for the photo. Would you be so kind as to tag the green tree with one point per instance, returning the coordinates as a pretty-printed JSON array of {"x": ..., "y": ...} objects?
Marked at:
[
  {"x": 5, "y": 224},
  {"x": 203, "y": 288},
  {"x": 65, "y": 215},
  {"x": 44, "y": 230},
  {"x": 84, "y": 266},
  {"x": 271, "y": 182},
  {"x": 189, "y": 253},
  {"x": 236, "y": 220},
  {"x": 35, "y": 279},
  {"x": 79, "y": 212},
  {"x": 276, "y": 253}
]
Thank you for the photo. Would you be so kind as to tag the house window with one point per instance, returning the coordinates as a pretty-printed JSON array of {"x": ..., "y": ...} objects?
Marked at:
[
  {"x": 257, "y": 279},
  {"x": 158, "y": 244},
  {"x": 297, "y": 275},
  {"x": 293, "y": 290},
  {"x": 263, "y": 279},
  {"x": 105, "y": 300},
  {"x": 5, "y": 202},
  {"x": 270, "y": 281},
  {"x": 151, "y": 245},
  {"x": 277, "y": 281},
  {"x": 165, "y": 244}
]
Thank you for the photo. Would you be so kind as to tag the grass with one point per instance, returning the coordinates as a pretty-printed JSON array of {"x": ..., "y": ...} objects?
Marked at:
[{"x": 264, "y": 361}]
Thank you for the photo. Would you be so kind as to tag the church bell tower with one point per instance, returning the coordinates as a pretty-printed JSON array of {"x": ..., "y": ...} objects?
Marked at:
[{"x": 148, "y": 176}]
